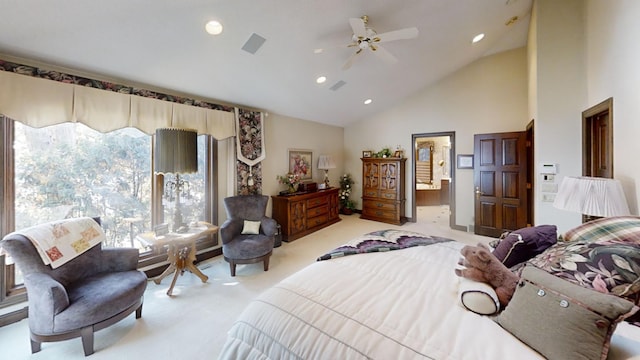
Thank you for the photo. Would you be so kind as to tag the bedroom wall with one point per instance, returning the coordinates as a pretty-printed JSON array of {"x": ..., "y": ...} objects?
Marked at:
[
  {"x": 559, "y": 95},
  {"x": 583, "y": 53},
  {"x": 612, "y": 55},
  {"x": 283, "y": 133},
  {"x": 489, "y": 95}
]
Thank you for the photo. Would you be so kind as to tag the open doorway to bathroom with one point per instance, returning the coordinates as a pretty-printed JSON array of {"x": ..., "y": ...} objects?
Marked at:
[{"x": 433, "y": 185}]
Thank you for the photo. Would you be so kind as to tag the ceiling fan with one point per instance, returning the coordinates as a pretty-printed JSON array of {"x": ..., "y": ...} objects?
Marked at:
[{"x": 365, "y": 38}]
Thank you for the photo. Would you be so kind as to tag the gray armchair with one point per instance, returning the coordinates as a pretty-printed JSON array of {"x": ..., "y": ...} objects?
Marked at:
[
  {"x": 91, "y": 292},
  {"x": 239, "y": 248}
]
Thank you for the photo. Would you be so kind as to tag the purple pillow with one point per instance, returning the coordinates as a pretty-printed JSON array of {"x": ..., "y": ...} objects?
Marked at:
[{"x": 523, "y": 244}]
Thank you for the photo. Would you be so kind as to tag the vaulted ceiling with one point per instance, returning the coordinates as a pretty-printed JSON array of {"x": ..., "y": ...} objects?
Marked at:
[{"x": 163, "y": 44}]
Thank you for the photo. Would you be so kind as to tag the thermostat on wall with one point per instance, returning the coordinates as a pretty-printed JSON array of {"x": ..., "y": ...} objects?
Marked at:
[{"x": 548, "y": 168}]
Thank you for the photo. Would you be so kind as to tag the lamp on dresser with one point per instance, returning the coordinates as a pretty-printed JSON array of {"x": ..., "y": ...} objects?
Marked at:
[
  {"x": 594, "y": 197},
  {"x": 176, "y": 152},
  {"x": 325, "y": 162}
]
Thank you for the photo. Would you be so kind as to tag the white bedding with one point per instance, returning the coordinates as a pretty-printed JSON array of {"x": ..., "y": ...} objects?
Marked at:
[{"x": 400, "y": 304}]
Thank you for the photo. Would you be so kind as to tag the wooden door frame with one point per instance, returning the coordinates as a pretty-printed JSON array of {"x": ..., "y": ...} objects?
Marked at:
[
  {"x": 531, "y": 179},
  {"x": 452, "y": 175},
  {"x": 588, "y": 117}
]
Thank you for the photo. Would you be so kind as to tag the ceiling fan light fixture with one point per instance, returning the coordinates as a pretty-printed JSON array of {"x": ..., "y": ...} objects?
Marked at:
[
  {"x": 477, "y": 38},
  {"x": 214, "y": 27}
]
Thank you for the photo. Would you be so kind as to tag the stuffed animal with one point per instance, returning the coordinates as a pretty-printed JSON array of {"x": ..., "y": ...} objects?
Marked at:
[{"x": 481, "y": 265}]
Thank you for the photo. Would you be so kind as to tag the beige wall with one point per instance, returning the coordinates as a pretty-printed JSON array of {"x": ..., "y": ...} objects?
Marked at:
[
  {"x": 612, "y": 58},
  {"x": 489, "y": 95},
  {"x": 559, "y": 97},
  {"x": 582, "y": 54},
  {"x": 283, "y": 133}
]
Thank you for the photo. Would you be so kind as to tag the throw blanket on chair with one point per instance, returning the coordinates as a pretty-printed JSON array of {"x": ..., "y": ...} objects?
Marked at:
[
  {"x": 382, "y": 240},
  {"x": 59, "y": 242}
]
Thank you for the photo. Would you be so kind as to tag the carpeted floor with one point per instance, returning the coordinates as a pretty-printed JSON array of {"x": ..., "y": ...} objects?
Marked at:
[{"x": 192, "y": 324}]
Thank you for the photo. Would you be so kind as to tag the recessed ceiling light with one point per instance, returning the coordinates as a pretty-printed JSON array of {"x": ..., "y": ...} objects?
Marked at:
[
  {"x": 213, "y": 27},
  {"x": 318, "y": 51},
  {"x": 321, "y": 79},
  {"x": 477, "y": 38},
  {"x": 368, "y": 101}
]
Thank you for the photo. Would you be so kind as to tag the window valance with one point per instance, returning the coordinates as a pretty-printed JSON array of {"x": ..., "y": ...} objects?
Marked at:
[{"x": 40, "y": 102}]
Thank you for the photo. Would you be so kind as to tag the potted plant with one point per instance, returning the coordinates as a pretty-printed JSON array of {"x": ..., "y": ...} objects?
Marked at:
[{"x": 347, "y": 206}]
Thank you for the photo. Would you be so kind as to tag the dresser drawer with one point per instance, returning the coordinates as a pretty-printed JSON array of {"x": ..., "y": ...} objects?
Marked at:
[
  {"x": 388, "y": 195},
  {"x": 318, "y": 210},
  {"x": 379, "y": 205},
  {"x": 317, "y": 221},
  {"x": 381, "y": 214},
  {"x": 370, "y": 192},
  {"x": 317, "y": 201}
]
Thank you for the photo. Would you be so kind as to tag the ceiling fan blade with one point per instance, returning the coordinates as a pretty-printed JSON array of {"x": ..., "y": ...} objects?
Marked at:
[
  {"x": 383, "y": 54},
  {"x": 402, "y": 34},
  {"x": 357, "y": 25},
  {"x": 351, "y": 59}
]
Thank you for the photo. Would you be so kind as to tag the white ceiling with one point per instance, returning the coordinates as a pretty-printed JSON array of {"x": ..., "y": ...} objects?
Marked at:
[{"x": 162, "y": 44}]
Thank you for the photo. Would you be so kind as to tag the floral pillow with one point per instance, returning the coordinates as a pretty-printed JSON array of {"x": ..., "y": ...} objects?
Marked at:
[{"x": 607, "y": 261}]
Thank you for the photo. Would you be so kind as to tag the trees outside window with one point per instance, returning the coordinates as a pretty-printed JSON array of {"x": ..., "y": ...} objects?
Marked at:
[{"x": 70, "y": 170}]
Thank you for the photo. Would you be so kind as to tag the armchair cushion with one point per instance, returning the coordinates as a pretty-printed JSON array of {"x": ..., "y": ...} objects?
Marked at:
[
  {"x": 100, "y": 297},
  {"x": 248, "y": 247},
  {"x": 119, "y": 259},
  {"x": 251, "y": 227}
]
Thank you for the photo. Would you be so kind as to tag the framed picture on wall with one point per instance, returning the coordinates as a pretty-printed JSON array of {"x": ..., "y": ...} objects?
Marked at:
[
  {"x": 465, "y": 161},
  {"x": 301, "y": 163}
]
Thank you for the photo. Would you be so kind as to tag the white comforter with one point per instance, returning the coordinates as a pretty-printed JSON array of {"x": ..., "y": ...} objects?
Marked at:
[{"x": 400, "y": 304}]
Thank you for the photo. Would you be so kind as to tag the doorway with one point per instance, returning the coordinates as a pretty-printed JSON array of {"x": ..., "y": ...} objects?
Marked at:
[
  {"x": 432, "y": 178},
  {"x": 597, "y": 140}
]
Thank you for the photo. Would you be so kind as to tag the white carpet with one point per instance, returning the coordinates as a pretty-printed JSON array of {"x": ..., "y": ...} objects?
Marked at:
[{"x": 192, "y": 324}]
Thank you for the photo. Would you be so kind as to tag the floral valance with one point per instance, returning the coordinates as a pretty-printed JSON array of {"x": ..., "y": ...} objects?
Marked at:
[{"x": 40, "y": 98}]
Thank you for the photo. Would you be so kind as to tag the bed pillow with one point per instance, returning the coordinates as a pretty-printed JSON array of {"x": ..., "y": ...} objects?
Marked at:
[
  {"x": 616, "y": 229},
  {"x": 602, "y": 255},
  {"x": 478, "y": 297},
  {"x": 251, "y": 227},
  {"x": 561, "y": 320},
  {"x": 523, "y": 244}
]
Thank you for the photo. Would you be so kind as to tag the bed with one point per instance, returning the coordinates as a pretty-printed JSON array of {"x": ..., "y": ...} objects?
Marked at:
[{"x": 377, "y": 304}]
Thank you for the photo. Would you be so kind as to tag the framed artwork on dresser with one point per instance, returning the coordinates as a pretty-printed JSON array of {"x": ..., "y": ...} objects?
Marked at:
[{"x": 301, "y": 163}]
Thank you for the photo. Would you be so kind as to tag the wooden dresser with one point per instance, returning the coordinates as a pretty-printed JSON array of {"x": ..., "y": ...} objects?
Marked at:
[
  {"x": 302, "y": 214},
  {"x": 383, "y": 193}
]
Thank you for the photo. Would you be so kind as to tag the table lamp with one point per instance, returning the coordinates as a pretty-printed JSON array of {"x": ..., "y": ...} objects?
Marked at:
[
  {"x": 594, "y": 197},
  {"x": 325, "y": 162},
  {"x": 176, "y": 152}
]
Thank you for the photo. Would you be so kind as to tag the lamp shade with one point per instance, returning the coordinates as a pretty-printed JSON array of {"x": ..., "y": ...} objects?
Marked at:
[
  {"x": 325, "y": 162},
  {"x": 592, "y": 196},
  {"x": 176, "y": 151}
]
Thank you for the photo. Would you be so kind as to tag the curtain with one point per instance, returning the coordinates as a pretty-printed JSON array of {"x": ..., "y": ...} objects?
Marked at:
[{"x": 38, "y": 100}]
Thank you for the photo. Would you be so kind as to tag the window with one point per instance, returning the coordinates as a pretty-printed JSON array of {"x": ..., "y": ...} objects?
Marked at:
[{"x": 70, "y": 170}]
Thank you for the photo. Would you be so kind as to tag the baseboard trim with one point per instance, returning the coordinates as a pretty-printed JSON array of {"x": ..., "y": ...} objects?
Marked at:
[{"x": 14, "y": 316}]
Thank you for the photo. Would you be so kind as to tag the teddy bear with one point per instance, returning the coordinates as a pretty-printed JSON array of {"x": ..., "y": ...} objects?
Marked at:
[{"x": 481, "y": 265}]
